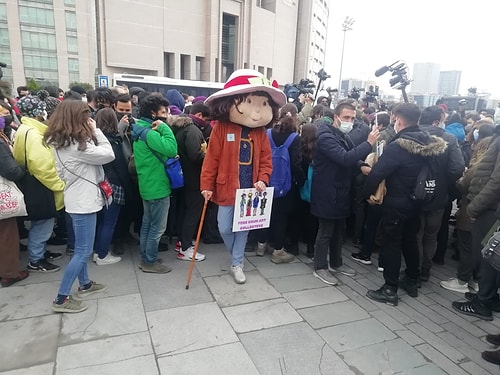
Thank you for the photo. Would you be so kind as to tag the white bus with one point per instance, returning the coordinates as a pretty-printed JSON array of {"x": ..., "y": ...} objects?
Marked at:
[{"x": 163, "y": 84}]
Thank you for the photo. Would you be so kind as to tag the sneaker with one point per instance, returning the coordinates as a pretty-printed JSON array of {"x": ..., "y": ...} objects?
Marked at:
[
  {"x": 42, "y": 266},
  {"x": 474, "y": 285},
  {"x": 49, "y": 255},
  {"x": 155, "y": 267},
  {"x": 69, "y": 306},
  {"x": 343, "y": 269},
  {"x": 363, "y": 259},
  {"x": 281, "y": 256},
  {"x": 260, "y": 249},
  {"x": 93, "y": 289},
  {"x": 238, "y": 275},
  {"x": 455, "y": 285},
  {"x": 326, "y": 277},
  {"x": 188, "y": 255},
  {"x": 178, "y": 246},
  {"x": 386, "y": 294},
  {"x": 473, "y": 308},
  {"x": 108, "y": 259},
  {"x": 380, "y": 269},
  {"x": 495, "y": 306},
  {"x": 410, "y": 286}
]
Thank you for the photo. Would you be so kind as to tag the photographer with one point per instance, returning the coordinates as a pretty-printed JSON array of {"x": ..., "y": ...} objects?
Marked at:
[{"x": 307, "y": 105}]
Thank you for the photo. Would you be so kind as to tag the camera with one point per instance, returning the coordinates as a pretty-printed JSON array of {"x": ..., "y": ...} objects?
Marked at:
[
  {"x": 131, "y": 120},
  {"x": 322, "y": 75},
  {"x": 371, "y": 94},
  {"x": 355, "y": 93}
]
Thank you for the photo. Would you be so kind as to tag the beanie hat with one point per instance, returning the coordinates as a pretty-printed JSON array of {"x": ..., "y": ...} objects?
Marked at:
[
  {"x": 31, "y": 106},
  {"x": 174, "y": 110},
  {"x": 174, "y": 97},
  {"x": 50, "y": 101},
  {"x": 200, "y": 98}
]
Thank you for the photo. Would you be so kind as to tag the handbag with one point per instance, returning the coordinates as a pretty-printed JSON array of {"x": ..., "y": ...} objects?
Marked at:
[
  {"x": 173, "y": 169},
  {"x": 305, "y": 190},
  {"x": 378, "y": 197},
  {"x": 491, "y": 251},
  {"x": 11, "y": 200},
  {"x": 39, "y": 199}
]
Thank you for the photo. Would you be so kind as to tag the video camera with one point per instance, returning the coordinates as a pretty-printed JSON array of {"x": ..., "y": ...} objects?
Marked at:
[
  {"x": 355, "y": 93},
  {"x": 371, "y": 94},
  {"x": 293, "y": 90}
]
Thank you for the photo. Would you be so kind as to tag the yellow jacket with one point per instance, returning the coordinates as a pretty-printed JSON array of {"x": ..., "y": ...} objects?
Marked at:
[{"x": 39, "y": 157}]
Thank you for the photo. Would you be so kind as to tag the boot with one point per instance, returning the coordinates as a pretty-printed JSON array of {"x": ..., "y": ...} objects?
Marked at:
[
  {"x": 410, "y": 285},
  {"x": 492, "y": 356},
  {"x": 493, "y": 339},
  {"x": 387, "y": 294}
]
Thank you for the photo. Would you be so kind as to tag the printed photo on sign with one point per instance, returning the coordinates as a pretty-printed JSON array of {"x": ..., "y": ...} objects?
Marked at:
[{"x": 252, "y": 210}]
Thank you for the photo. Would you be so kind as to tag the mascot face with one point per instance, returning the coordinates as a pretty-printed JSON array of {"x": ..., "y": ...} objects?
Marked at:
[{"x": 254, "y": 111}]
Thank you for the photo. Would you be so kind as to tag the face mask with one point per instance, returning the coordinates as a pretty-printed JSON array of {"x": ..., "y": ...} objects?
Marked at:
[
  {"x": 475, "y": 134},
  {"x": 163, "y": 119},
  {"x": 345, "y": 127}
]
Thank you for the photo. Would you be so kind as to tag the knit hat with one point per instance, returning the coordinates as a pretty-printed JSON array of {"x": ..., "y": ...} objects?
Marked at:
[
  {"x": 50, "y": 101},
  {"x": 174, "y": 110},
  {"x": 200, "y": 98},
  {"x": 31, "y": 106},
  {"x": 246, "y": 81}
]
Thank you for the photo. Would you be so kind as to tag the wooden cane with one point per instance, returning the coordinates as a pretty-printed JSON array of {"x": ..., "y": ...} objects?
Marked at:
[{"x": 198, "y": 235}]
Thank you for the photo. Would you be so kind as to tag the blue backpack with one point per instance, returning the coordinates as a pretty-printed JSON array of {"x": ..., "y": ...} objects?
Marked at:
[{"x": 281, "y": 177}]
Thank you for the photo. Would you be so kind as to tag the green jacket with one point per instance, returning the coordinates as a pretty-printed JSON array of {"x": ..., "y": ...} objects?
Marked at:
[{"x": 153, "y": 181}]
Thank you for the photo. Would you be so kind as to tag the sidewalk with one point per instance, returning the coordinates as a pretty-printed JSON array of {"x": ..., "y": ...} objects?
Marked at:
[{"x": 282, "y": 321}]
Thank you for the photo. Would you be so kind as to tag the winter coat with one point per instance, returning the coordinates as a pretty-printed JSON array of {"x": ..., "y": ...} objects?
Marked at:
[
  {"x": 484, "y": 190},
  {"x": 82, "y": 171},
  {"x": 335, "y": 159},
  {"x": 457, "y": 129},
  {"x": 39, "y": 157},
  {"x": 400, "y": 165},
  {"x": 117, "y": 171},
  {"x": 191, "y": 149},
  {"x": 9, "y": 168},
  {"x": 220, "y": 170},
  {"x": 153, "y": 181},
  {"x": 359, "y": 132}
]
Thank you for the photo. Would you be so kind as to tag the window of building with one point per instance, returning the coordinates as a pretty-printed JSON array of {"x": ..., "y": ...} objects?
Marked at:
[
  {"x": 70, "y": 20},
  {"x": 70, "y": 3},
  {"x": 269, "y": 5},
  {"x": 169, "y": 63},
  {"x": 269, "y": 73},
  {"x": 74, "y": 70},
  {"x": 72, "y": 44},
  {"x": 4, "y": 36},
  {"x": 228, "y": 44},
  {"x": 36, "y": 16},
  {"x": 3, "y": 13},
  {"x": 34, "y": 40}
]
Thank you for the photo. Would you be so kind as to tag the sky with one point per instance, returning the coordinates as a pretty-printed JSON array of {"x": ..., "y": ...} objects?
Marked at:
[{"x": 457, "y": 35}]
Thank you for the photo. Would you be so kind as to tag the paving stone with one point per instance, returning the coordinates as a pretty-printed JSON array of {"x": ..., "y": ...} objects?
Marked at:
[
  {"x": 424, "y": 370},
  {"x": 280, "y": 270},
  {"x": 47, "y": 368},
  {"x": 118, "y": 271},
  {"x": 464, "y": 334},
  {"x": 258, "y": 315},
  {"x": 358, "y": 297},
  {"x": 217, "y": 261},
  {"x": 296, "y": 283},
  {"x": 439, "y": 359},
  {"x": 419, "y": 318},
  {"x": 127, "y": 354},
  {"x": 387, "y": 320},
  {"x": 334, "y": 313},
  {"x": 296, "y": 349},
  {"x": 409, "y": 337},
  {"x": 475, "y": 369},
  {"x": 388, "y": 357},
  {"x": 28, "y": 342},
  {"x": 106, "y": 317},
  {"x": 202, "y": 326},
  {"x": 354, "y": 335},
  {"x": 457, "y": 318},
  {"x": 314, "y": 297},
  {"x": 209, "y": 361}
]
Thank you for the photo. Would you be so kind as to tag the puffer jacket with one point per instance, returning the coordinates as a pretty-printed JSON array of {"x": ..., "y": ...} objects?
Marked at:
[
  {"x": 38, "y": 156},
  {"x": 484, "y": 190},
  {"x": 400, "y": 165}
]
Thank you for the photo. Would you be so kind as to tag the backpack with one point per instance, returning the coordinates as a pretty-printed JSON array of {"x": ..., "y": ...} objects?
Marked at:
[
  {"x": 305, "y": 190},
  {"x": 427, "y": 180},
  {"x": 281, "y": 176}
]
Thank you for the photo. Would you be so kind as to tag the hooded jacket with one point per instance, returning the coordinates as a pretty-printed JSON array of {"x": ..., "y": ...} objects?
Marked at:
[
  {"x": 457, "y": 129},
  {"x": 153, "y": 181},
  {"x": 400, "y": 165},
  {"x": 335, "y": 159},
  {"x": 191, "y": 148},
  {"x": 38, "y": 157}
]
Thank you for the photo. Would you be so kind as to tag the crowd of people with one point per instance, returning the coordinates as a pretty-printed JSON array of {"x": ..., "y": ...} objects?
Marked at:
[{"x": 102, "y": 153}]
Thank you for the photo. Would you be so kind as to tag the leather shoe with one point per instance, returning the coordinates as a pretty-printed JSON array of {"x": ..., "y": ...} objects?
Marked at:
[
  {"x": 493, "y": 339},
  {"x": 8, "y": 281},
  {"x": 492, "y": 356}
]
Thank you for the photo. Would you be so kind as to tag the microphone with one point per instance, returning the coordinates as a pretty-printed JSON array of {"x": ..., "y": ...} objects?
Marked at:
[{"x": 381, "y": 71}]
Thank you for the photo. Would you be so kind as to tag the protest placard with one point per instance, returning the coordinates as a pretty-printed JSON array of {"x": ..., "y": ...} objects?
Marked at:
[{"x": 252, "y": 210}]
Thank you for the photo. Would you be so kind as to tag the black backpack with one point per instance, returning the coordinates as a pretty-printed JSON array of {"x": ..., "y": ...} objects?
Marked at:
[{"x": 427, "y": 182}]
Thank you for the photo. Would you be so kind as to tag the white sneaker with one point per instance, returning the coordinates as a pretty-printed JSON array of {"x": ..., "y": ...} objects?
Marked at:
[
  {"x": 343, "y": 269},
  {"x": 380, "y": 269},
  {"x": 474, "y": 285},
  {"x": 238, "y": 275},
  {"x": 108, "y": 259},
  {"x": 94, "y": 257},
  {"x": 455, "y": 285},
  {"x": 188, "y": 255}
]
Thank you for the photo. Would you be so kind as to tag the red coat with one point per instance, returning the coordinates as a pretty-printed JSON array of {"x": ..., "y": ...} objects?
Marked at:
[{"x": 220, "y": 171}]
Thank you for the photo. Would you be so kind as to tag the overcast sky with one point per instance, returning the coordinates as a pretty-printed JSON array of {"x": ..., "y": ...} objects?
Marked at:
[{"x": 457, "y": 35}]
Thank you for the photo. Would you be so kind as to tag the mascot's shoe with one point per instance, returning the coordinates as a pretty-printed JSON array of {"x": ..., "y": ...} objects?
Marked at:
[{"x": 281, "y": 256}]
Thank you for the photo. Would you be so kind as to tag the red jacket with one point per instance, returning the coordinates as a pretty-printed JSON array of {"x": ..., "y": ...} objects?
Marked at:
[{"x": 220, "y": 171}]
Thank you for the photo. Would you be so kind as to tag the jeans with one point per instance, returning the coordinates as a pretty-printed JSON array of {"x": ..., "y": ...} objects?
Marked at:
[
  {"x": 106, "y": 222},
  {"x": 40, "y": 231},
  {"x": 154, "y": 223},
  {"x": 430, "y": 224},
  {"x": 329, "y": 236},
  {"x": 235, "y": 241},
  {"x": 70, "y": 232},
  {"x": 84, "y": 226}
]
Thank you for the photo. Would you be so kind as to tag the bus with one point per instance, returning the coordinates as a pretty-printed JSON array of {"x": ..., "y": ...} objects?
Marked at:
[
  {"x": 472, "y": 103},
  {"x": 163, "y": 84}
]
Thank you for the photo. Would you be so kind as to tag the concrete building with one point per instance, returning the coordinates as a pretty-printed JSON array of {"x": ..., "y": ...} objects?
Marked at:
[
  {"x": 425, "y": 78},
  {"x": 449, "y": 82},
  {"x": 63, "y": 41}
]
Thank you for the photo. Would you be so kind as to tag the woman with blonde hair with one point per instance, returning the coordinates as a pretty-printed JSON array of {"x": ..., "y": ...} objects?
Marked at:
[{"x": 80, "y": 150}]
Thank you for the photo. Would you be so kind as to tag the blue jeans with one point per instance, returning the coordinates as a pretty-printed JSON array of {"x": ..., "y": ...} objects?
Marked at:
[
  {"x": 84, "y": 226},
  {"x": 40, "y": 231},
  {"x": 235, "y": 241},
  {"x": 70, "y": 243},
  {"x": 154, "y": 223},
  {"x": 106, "y": 222}
]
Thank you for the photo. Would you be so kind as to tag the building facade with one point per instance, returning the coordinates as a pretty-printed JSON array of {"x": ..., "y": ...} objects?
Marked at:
[
  {"x": 425, "y": 78},
  {"x": 63, "y": 41},
  {"x": 449, "y": 82}
]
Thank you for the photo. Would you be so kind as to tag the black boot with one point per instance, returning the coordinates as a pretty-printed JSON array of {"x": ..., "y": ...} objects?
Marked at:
[
  {"x": 387, "y": 294},
  {"x": 493, "y": 339},
  {"x": 492, "y": 356},
  {"x": 410, "y": 286}
]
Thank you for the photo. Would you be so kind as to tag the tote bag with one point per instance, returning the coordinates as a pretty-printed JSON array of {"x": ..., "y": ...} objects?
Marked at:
[{"x": 11, "y": 200}]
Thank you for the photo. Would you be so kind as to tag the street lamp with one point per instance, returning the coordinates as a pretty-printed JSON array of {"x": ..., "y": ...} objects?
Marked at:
[{"x": 346, "y": 26}]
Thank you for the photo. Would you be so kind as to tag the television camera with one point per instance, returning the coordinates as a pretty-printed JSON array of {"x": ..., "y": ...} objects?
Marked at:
[
  {"x": 355, "y": 92},
  {"x": 305, "y": 86},
  {"x": 400, "y": 78},
  {"x": 371, "y": 94}
]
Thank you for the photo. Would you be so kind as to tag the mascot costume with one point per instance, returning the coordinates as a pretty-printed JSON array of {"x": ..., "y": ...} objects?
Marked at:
[{"x": 239, "y": 153}]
